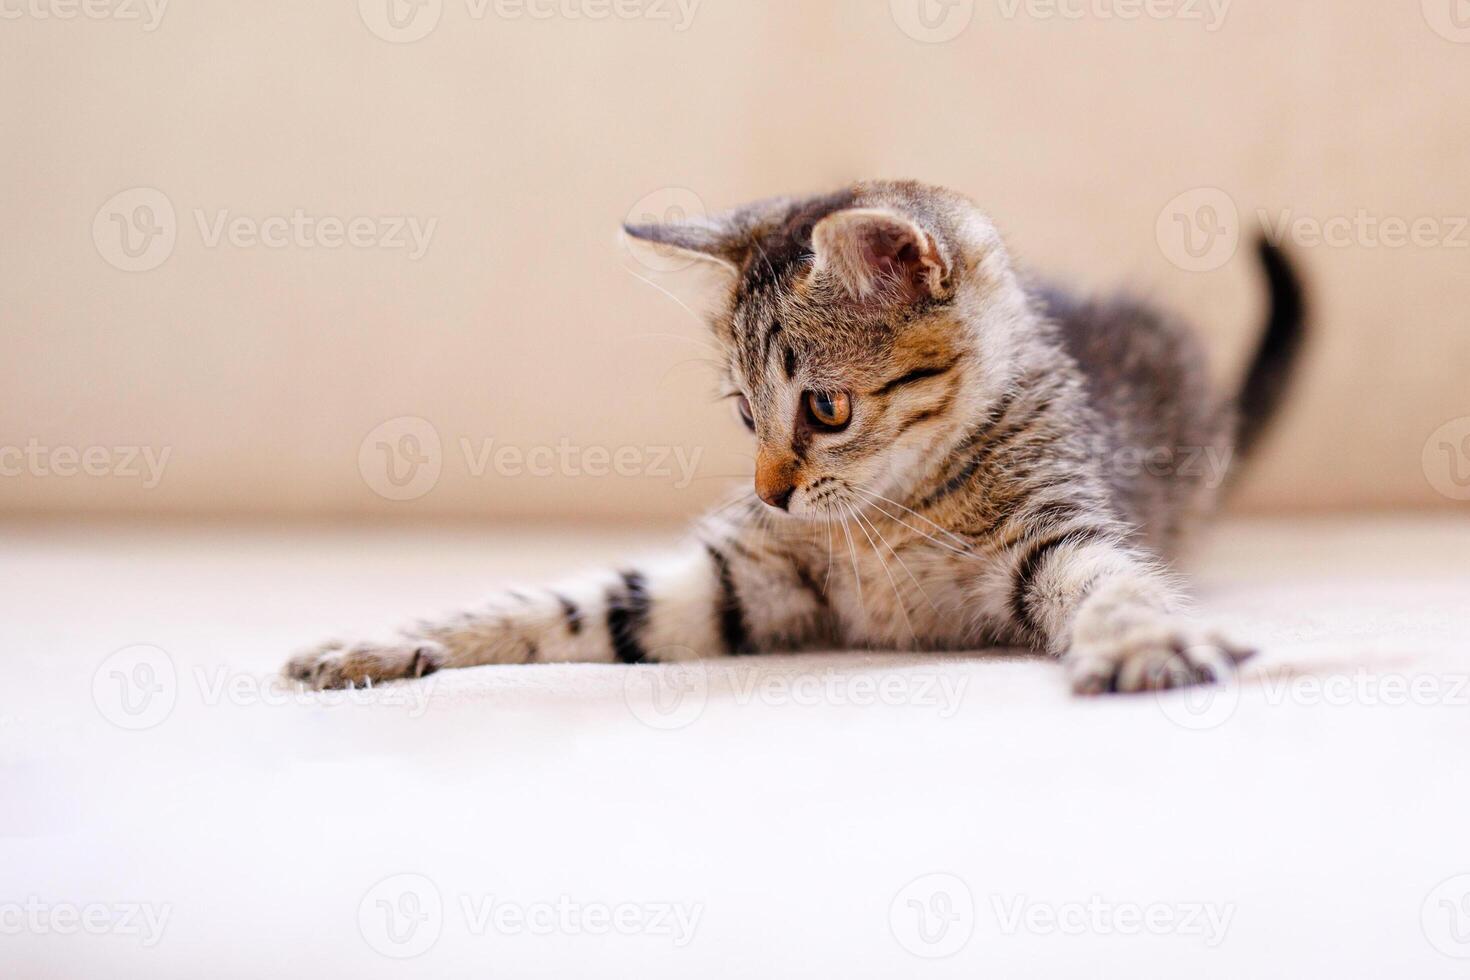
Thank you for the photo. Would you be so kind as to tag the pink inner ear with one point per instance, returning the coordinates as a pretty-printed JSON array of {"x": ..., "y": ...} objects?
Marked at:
[{"x": 892, "y": 254}]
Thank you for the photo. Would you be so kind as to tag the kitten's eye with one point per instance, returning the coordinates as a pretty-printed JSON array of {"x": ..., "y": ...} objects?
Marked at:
[
  {"x": 829, "y": 410},
  {"x": 742, "y": 405}
]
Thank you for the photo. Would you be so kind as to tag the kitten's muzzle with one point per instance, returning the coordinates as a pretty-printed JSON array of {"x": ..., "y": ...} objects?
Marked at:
[{"x": 775, "y": 478}]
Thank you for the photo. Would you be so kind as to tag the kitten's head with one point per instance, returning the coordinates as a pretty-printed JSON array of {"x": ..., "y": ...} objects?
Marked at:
[{"x": 860, "y": 329}]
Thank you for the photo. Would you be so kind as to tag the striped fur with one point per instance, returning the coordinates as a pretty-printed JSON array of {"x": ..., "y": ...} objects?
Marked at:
[{"x": 983, "y": 491}]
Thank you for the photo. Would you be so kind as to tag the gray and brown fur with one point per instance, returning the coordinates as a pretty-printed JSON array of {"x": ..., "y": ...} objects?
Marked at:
[{"x": 1019, "y": 467}]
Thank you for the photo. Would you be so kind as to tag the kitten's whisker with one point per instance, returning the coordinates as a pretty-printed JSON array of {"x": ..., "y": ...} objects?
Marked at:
[
  {"x": 717, "y": 365},
  {"x": 678, "y": 336},
  {"x": 889, "y": 500},
  {"x": 827, "y": 581},
  {"x": 852, "y": 550},
  {"x": 927, "y": 537},
  {"x": 763, "y": 518},
  {"x": 902, "y": 564},
  {"x": 815, "y": 541},
  {"x": 682, "y": 305},
  {"x": 883, "y": 564},
  {"x": 731, "y": 503}
]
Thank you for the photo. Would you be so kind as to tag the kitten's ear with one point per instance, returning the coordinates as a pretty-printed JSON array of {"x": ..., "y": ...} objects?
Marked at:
[
  {"x": 705, "y": 239},
  {"x": 876, "y": 253}
]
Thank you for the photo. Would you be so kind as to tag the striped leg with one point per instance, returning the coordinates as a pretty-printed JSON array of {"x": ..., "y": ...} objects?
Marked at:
[
  {"x": 1112, "y": 615},
  {"x": 715, "y": 596}
]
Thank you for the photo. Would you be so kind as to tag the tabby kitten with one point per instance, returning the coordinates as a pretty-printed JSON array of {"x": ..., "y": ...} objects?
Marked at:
[{"x": 945, "y": 459}]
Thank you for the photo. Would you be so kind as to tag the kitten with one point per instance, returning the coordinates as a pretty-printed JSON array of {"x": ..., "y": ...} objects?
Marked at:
[{"x": 945, "y": 459}]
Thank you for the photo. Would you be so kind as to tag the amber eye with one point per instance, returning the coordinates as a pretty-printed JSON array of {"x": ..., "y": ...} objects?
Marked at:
[
  {"x": 828, "y": 410},
  {"x": 742, "y": 405}
]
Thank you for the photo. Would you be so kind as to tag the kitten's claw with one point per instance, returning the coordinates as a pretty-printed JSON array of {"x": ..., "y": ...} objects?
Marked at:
[
  {"x": 337, "y": 663},
  {"x": 1152, "y": 657}
]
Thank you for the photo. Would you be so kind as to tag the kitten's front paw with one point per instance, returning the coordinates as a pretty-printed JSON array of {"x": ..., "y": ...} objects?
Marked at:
[
  {"x": 1151, "y": 655},
  {"x": 338, "y": 663}
]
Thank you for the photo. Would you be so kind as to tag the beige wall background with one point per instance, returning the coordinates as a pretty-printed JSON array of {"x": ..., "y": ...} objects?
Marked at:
[{"x": 525, "y": 139}]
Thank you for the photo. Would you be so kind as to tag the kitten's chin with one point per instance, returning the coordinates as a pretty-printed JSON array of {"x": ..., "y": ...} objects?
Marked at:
[
  {"x": 829, "y": 508},
  {"x": 797, "y": 511}
]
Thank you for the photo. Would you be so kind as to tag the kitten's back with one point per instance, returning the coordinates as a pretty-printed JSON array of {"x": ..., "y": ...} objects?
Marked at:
[{"x": 1147, "y": 378}]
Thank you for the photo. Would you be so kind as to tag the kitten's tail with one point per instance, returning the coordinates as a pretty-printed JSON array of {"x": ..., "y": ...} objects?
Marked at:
[{"x": 1276, "y": 357}]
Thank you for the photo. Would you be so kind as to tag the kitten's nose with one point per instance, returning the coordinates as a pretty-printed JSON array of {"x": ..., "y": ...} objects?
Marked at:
[
  {"x": 775, "y": 478},
  {"x": 777, "y": 498}
]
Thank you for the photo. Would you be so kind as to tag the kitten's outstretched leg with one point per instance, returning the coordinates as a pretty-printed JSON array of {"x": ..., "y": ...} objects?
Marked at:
[
  {"x": 1112, "y": 615},
  {"x": 718, "y": 595}
]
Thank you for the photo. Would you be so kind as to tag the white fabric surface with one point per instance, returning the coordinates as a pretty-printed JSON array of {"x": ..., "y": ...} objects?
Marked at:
[{"x": 1323, "y": 827}]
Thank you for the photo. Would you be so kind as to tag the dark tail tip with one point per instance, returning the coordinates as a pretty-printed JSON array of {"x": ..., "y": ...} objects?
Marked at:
[{"x": 1271, "y": 369}]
